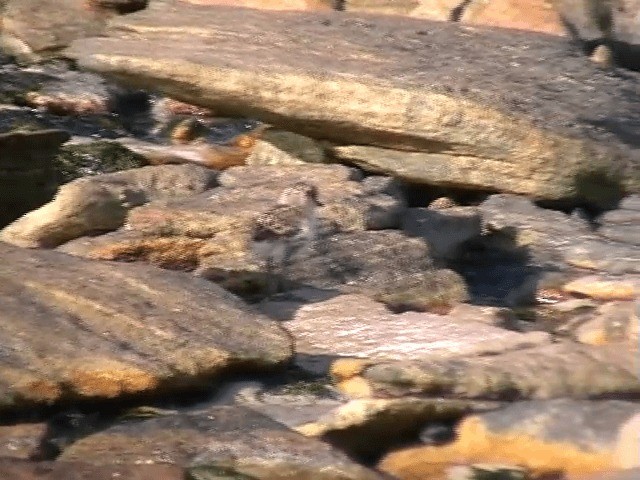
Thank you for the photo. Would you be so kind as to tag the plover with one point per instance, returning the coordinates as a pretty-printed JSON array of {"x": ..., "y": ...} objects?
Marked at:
[{"x": 278, "y": 230}]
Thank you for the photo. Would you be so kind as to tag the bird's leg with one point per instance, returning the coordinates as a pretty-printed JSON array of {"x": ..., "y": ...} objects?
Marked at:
[{"x": 273, "y": 284}]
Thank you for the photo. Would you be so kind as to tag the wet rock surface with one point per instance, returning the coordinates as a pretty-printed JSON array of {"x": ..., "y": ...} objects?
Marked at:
[{"x": 466, "y": 308}]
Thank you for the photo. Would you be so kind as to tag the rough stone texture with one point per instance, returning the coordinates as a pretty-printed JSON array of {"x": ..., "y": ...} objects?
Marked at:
[
  {"x": 552, "y": 239},
  {"x": 630, "y": 474},
  {"x": 601, "y": 21},
  {"x": 559, "y": 436},
  {"x": 367, "y": 427},
  {"x": 231, "y": 440},
  {"x": 27, "y": 178},
  {"x": 600, "y": 254},
  {"x": 24, "y": 470},
  {"x": 355, "y": 326},
  {"x": 444, "y": 230},
  {"x": 613, "y": 322},
  {"x": 401, "y": 87},
  {"x": 271, "y": 4},
  {"x": 623, "y": 224},
  {"x": 601, "y": 287},
  {"x": 21, "y": 441},
  {"x": 209, "y": 232},
  {"x": 118, "y": 330},
  {"x": 534, "y": 15},
  {"x": 37, "y": 29},
  {"x": 542, "y": 372},
  {"x": 88, "y": 206}
]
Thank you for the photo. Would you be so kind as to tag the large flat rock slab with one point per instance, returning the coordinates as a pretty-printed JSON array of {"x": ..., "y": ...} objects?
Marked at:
[
  {"x": 74, "y": 329},
  {"x": 219, "y": 442},
  {"x": 478, "y": 108}
]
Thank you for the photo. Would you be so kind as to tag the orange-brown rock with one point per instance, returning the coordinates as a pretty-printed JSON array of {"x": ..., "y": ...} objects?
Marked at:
[
  {"x": 547, "y": 438},
  {"x": 271, "y": 4},
  {"x": 533, "y": 15},
  {"x": 26, "y": 470},
  {"x": 601, "y": 287},
  {"x": 118, "y": 330}
]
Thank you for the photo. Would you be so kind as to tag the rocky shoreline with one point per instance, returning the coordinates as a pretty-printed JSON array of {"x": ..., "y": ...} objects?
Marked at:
[{"x": 468, "y": 310}]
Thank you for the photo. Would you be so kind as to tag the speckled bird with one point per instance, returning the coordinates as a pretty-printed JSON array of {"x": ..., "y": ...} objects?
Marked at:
[{"x": 292, "y": 220}]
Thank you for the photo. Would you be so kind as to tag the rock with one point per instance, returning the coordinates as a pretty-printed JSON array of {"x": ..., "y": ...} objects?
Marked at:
[
  {"x": 444, "y": 230},
  {"x": 623, "y": 224},
  {"x": 599, "y": 254},
  {"x": 630, "y": 474},
  {"x": 384, "y": 265},
  {"x": 613, "y": 323},
  {"x": 487, "y": 471},
  {"x": 210, "y": 232},
  {"x": 68, "y": 92},
  {"x": 25, "y": 470},
  {"x": 21, "y": 441},
  {"x": 442, "y": 10},
  {"x": 430, "y": 125},
  {"x": 33, "y": 30},
  {"x": 534, "y": 15},
  {"x": 264, "y": 153},
  {"x": 89, "y": 206},
  {"x": 304, "y": 148},
  {"x": 355, "y": 326},
  {"x": 77, "y": 160},
  {"x": 540, "y": 371},
  {"x": 220, "y": 440},
  {"x": 554, "y": 437},
  {"x": 602, "y": 56},
  {"x": 601, "y": 287},
  {"x": 593, "y": 22},
  {"x": 119, "y": 330},
  {"x": 322, "y": 5},
  {"x": 27, "y": 177},
  {"x": 368, "y": 427}
]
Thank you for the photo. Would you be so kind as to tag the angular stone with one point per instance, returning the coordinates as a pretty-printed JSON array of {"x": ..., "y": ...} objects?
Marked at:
[
  {"x": 116, "y": 329},
  {"x": 21, "y": 441},
  {"x": 596, "y": 22},
  {"x": 367, "y": 427},
  {"x": 384, "y": 265},
  {"x": 533, "y": 15},
  {"x": 596, "y": 253},
  {"x": 538, "y": 372},
  {"x": 567, "y": 436},
  {"x": 231, "y": 440},
  {"x": 444, "y": 230},
  {"x": 622, "y": 225},
  {"x": 630, "y": 474},
  {"x": 600, "y": 287},
  {"x": 88, "y": 206},
  {"x": 355, "y": 326},
  {"x": 27, "y": 179},
  {"x": 474, "y": 126},
  {"x": 614, "y": 322},
  {"x": 25, "y": 470},
  {"x": 35, "y": 29}
]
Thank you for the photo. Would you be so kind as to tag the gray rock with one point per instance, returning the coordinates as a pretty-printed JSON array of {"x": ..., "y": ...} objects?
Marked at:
[
  {"x": 444, "y": 230},
  {"x": 231, "y": 440},
  {"x": 464, "y": 129}
]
